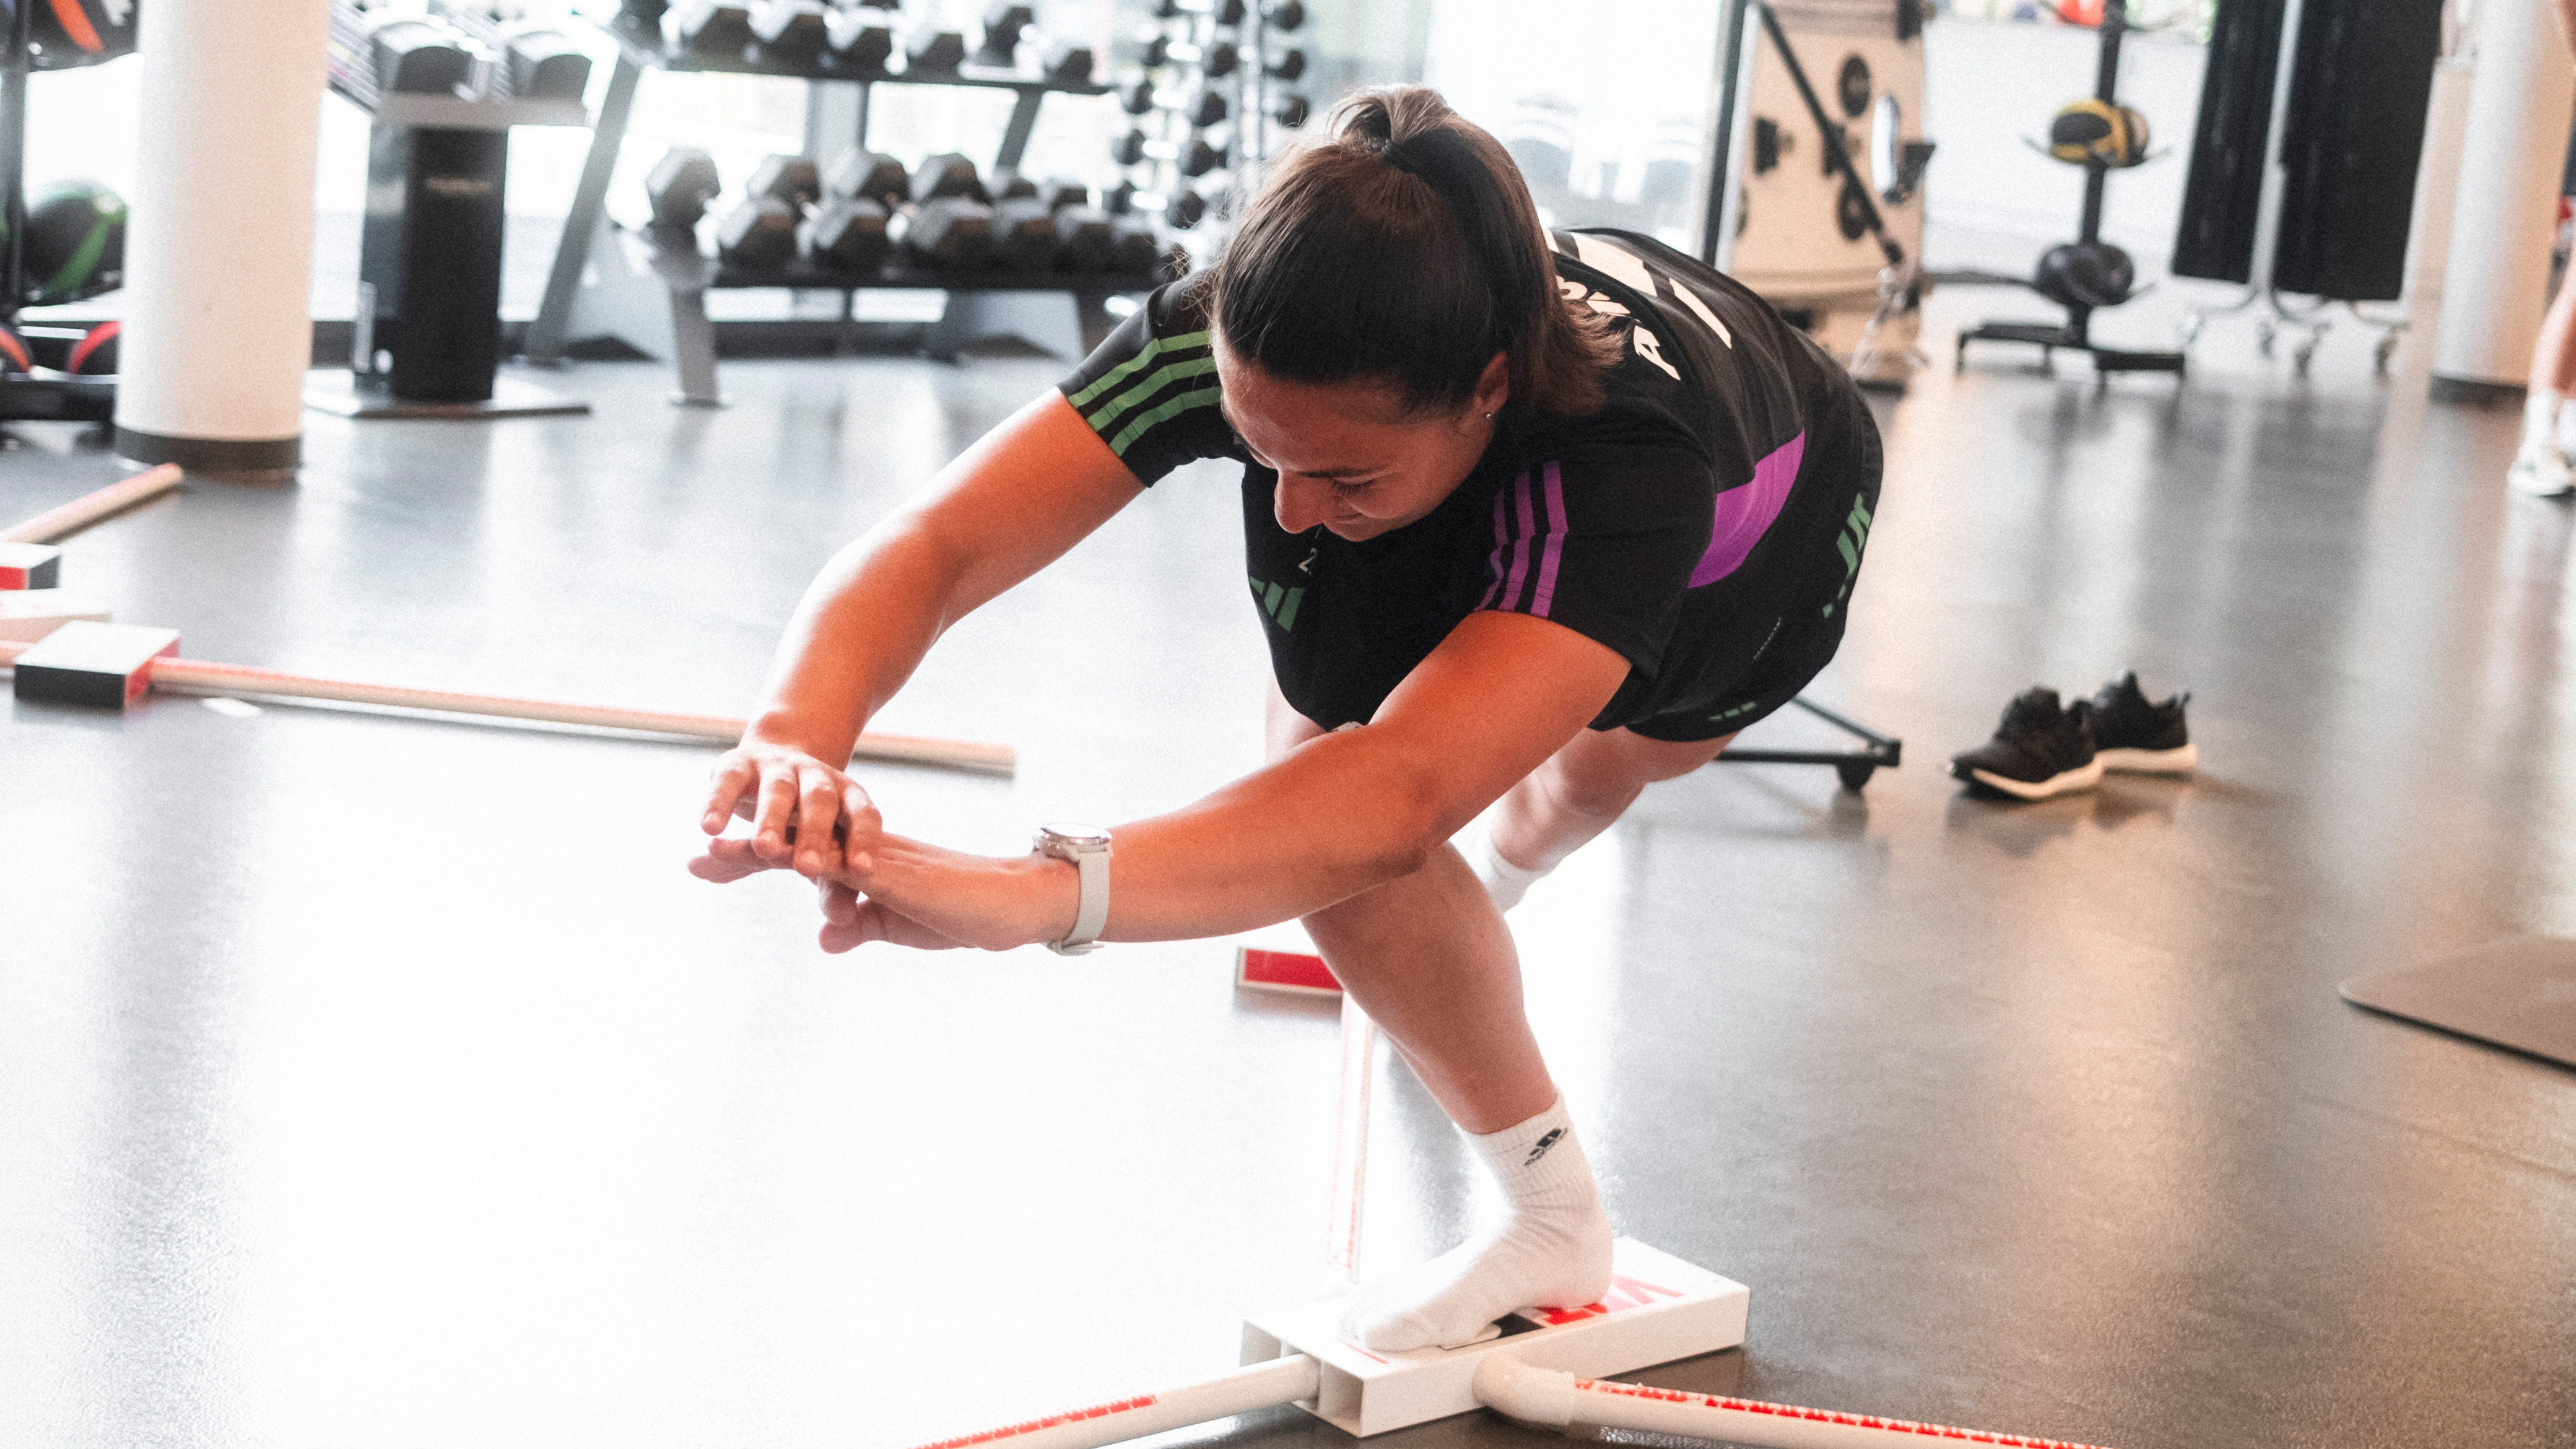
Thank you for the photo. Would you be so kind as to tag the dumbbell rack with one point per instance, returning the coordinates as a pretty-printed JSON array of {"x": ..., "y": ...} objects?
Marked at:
[
  {"x": 1215, "y": 54},
  {"x": 63, "y": 398},
  {"x": 641, "y": 47},
  {"x": 365, "y": 391}
]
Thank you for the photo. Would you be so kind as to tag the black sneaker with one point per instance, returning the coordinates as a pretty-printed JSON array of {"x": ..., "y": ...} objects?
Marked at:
[
  {"x": 2135, "y": 736},
  {"x": 2038, "y": 751}
]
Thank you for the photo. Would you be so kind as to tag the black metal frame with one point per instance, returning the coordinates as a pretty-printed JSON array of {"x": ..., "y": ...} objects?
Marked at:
[
  {"x": 31, "y": 399},
  {"x": 1854, "y": 767}
]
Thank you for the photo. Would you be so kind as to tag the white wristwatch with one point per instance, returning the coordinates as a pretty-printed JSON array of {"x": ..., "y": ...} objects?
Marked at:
[{"x": 1087, "y": 846}]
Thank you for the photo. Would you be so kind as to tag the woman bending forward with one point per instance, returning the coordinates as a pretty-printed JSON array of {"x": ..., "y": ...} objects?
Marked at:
[{"x": 1532, "y": 521}]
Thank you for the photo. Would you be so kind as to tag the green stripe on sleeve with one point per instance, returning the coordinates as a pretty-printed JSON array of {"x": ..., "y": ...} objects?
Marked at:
[
  {"x": 1154, "y": 382},
  {"x": 1127, "y": 369},
  {"x": 1144, "y": 423}
]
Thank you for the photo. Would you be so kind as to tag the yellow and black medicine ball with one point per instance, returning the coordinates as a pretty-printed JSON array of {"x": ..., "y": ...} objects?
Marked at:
[{"x": 2095, "y": 130}]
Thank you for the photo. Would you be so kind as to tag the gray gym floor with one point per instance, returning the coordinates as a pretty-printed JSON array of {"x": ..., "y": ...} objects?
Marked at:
[{"x": 384, "y": 1084}]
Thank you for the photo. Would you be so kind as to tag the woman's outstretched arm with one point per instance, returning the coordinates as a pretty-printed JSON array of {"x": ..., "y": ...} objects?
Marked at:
[{"x": 1026, "y": 492}]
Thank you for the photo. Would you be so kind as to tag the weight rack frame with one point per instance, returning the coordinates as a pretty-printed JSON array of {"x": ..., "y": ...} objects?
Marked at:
[
  {"x": 640, "y": 49},
  {"x": 63, "y": 398}
]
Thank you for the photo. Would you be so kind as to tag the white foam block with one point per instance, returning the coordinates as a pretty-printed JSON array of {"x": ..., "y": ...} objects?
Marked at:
[
  {"x": 1659, "y": 1309},
  {"x": 27, "y": 615}
]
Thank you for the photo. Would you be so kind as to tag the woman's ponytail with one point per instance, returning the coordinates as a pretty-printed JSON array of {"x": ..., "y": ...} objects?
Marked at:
[{"x": 1405, "y": 247}]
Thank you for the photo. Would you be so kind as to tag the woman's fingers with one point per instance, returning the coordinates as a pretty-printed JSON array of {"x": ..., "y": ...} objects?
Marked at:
[
  {"x": 728, "y": 792},
  {"x": 728, "y": 860},
  {"x": 868, "y": 920},
  {"x": 777, "y": 812},
  {"x": 862, "y": 825},
  {"x": 818, "y": 809}
]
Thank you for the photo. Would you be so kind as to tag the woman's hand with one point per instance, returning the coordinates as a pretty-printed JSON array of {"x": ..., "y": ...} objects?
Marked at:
[{"x": 806, "y": 815}]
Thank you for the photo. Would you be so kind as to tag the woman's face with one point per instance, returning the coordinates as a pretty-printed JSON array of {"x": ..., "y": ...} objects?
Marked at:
[{"x": 1348, "y": 455}]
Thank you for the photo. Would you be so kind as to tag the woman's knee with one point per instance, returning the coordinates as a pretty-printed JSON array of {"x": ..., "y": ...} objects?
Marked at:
[{"x": 1601, "y": 772}]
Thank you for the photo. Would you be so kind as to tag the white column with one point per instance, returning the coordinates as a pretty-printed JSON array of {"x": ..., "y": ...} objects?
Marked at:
[
  {"x": 219, "y": 242},
  {"x": 2496, "y": 278}
]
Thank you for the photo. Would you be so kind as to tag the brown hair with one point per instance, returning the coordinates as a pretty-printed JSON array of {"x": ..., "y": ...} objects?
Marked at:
[{"x": 1405, "y": 248}]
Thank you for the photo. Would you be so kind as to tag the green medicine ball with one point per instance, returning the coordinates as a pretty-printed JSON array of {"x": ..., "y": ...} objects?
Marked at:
[{"x": 75, "y": 244}]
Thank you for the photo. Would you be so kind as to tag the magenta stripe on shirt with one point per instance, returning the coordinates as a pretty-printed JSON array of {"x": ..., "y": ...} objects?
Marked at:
[
  {"x": 1502, "y": 540},
  {"x": 1555, "y": 542},
  {"x": 1744, "y": 514},
  {"x": 1520, "y": 543}
]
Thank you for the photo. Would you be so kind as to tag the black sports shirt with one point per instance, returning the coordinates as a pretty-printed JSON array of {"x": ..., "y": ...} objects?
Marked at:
[{"x": 1707, "y": 519}]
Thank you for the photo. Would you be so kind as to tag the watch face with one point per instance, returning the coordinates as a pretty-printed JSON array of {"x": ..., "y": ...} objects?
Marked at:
[{"x": 1078, "y": 836}]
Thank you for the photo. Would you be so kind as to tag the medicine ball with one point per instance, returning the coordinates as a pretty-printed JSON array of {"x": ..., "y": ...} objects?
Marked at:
[
  {"x": 2086, "y": 274},
  {"x": 75, "y": 242},
  {"x": 13, "y": 351},
  {"x": 2093, "y": 130},
  {"x": 79, "y": 32}
]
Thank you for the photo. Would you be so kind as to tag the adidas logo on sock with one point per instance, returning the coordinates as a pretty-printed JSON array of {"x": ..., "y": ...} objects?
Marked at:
[{"x": 1544, "y": 1144}]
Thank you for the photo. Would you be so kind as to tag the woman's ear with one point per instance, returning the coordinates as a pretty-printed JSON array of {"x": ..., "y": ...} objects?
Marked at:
[{"x": 1493, "y": 387}]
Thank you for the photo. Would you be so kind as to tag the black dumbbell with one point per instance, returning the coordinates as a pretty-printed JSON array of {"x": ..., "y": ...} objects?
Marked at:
[
  {"x": 1066, "y": 63},
  {"x": 849, "y": 235},
  {"x": 546, "y": 66},
  {"x": 1291, "y": 111},
  {"x": 1183, "y": 208},
  {"x": 680, "y": 185},
  {"x": 935, "y": 52},
  {"x": 869, "y": 176},
  {"x": 860, "y": 38},
  {"x": 645, "y": 15},
  {"x": 1227, "y": 12},
  {"x": 1137, "y": 247},
  {"x": 1004, "y": 23},
  {"x": 714, "y": 28},
  {"x": 1023, "y": 235},
  {"x": 1214, "y": 61},
  {"x": 1137, "y": 96},
  {"x": 946, "y": 175},
  {"x": 1007, "y": 184},
  {"x": 758, "y": 236},
  {"x": 791, "y": 32},
  {"x": 1195, "y": 156},
  {"x": 950, "y": 234},
  {"x": 416, "y": 56},
  {"x": 1085, "y": 239},
  {"x": 1057, "y": 192},
  {"x": 1284, "y": 14},
  {"x": 792, "y": 179},
  {"x": 1289, "y": 66}
]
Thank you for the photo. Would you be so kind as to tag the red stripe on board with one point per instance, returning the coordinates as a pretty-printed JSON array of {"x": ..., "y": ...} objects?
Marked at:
[
  {"x": 1070, "y": 1416},
  {"x": 1287, "y": 968},
  {"x": 1821, "y": 1416}
]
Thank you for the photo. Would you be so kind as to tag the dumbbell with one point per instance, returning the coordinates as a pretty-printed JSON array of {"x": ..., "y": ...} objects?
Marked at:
[
  {"x": 759, "y": 235},
  {"x": 1136, "y": 247},
  {"x": 1007, "y": 184},
  {"x": 935, "y": 52},
  {"x": 1058, "y": 192},
  {"x": 1214, "y": 61},
  {"x": 869, "y": 176},
  {"x": 1066, "y": 63},
  {"x": 1284, "y": 14},
  {"x": 791, "y": 32},
  {"x": 792, "y": 179},
  {"x": 714, "y": 28},
  {"x": 415, "y": 55},
  {"x": 848, "y": 235},
  {"x": 1004, "y": 23},
  {"x": 1023, "y": 234},
  {"x": 949, "y": 234},
  {"x": 645, "y": 15},
  {"x": 1195, "y": 156},
  {"x": 1289, "y": 66},
  {"x": 1086, "y": 240},
  {"x": 1291, "y": 111},
  {"x": 680, "y": 185},
  {"x": 1201, "y": 107},
  {"x": 1183, "y": 208},
  {"x": 860, "y": 38},
  {"x": 546, "y": 66},
  {"x": 946, "y": 175}
]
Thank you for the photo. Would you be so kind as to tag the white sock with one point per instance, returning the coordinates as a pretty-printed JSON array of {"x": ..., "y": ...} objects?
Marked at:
[
  {"x": 1505, "y": 883},
  {"x": 2567, "y": 426},
  {"x": 1551, "y": 1250},
  {"x": 2540, "y": 407}
]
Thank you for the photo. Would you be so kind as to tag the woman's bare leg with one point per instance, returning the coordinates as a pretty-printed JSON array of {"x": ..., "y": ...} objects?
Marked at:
[
  {"x": 1575, "y": 796},
  {"x": 1428, "y": 957}
]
